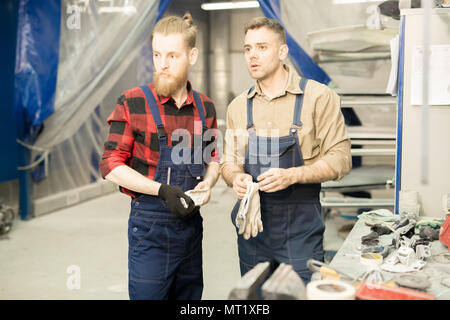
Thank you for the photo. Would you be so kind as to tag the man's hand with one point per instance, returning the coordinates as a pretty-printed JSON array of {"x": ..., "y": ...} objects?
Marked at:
[
  {"x": 239, "y": 185},
  {"x": 172, "y": 195},
  {"x": 275, "y": 179},
  {"x": 205, "y": 184}
]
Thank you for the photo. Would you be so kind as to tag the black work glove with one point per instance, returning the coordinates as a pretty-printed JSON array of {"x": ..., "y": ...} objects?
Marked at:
[{"x": 172, "y": 195}]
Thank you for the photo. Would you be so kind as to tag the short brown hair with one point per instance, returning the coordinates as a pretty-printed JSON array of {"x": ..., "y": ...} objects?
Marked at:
[
  {"x": 175, "y": 24},
  {"x": 271, "y": 24}
]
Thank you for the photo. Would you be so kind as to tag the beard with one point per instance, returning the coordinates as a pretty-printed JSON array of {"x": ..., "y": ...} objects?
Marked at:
[{"x": 168, "y": 85}]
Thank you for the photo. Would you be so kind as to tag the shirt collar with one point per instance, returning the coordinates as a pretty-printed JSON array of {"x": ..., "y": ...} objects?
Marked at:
[
  {"x": 292, "y": 85},
  {"x": 189, "y": 99}
]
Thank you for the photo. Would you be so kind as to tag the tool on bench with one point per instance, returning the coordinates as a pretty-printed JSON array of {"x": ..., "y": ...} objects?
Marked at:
[
  {"x": 284, "y": 284},
  {"x": 382, "y": 250},
  {"x": 371, "y": 259},
  {"x": 415, "y": 280},
  {"x": 246, "y": 288},
  {"x": 326, "y": 272}
]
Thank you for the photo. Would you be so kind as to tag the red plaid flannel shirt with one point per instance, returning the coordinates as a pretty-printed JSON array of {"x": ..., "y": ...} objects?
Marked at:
[{"x": 133, "y": 138}]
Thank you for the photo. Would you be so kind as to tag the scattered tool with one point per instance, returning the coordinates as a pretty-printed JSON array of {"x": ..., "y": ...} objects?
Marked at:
[
  {"x": 284, "y": 284},
  {"x": 429, "y": 233},
  {"x": 246, "y": 288},
  {"x": 416, "y": 280},
  {"x": 372, "y": 274},
  {"x": 423, "y": 252},
  {"x": 370, "y": 239},
  {"x": 403, "y": 221},
  {"x": 443, "y": 257},
  {"x": 371, "y": 259},
  {"x": 420, "y": 242},
  {"x": 326, "y": 272},
  {"x": 407, "y": 230},
  {"x": 432, "y": 223},
  {"x": 382, "y": 250},
  {"x": 406, "y": 255},
  {"x": 381, "y": 229}
]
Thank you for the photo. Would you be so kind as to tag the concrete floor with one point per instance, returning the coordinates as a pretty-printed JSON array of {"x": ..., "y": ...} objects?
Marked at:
[{"x": 45, "y": 257}]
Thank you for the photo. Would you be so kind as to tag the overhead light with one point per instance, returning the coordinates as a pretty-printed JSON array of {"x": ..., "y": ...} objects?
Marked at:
[
  {"x": 353, "y": 1},
  {"x": 229, "y": 5}
]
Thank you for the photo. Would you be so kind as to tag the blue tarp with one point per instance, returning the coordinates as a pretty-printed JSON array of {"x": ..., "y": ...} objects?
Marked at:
[
  {"x": 36, "y": 61},
  {"x": 163, "y": 4},
  {"x": 37, "y": 57}
]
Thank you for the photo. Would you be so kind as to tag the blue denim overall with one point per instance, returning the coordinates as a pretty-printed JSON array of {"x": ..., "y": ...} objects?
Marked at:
[
  {"x": 164, "y": 251},
  {"x": 292, "y": 221}
]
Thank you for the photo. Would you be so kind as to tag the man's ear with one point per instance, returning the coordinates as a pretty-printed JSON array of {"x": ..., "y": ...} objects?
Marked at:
[
  {"x": 284, "y": 51},
  {"x": 193, "y": 56}
]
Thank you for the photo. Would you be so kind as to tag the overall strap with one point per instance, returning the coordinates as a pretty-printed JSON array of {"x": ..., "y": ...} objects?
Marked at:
[
  {"x": 153, "y": 105},
  {"x": 299, "y": 103},
  {"x": 250, "y": 109},
  {"x": 200, "y": 108}
]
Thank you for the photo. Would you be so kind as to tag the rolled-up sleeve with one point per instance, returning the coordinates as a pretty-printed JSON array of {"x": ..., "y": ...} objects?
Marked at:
[
  {"x": 234, "y": 142},
  {"x": 118, "y": 147},
  {"x": 332, "y": 133}
]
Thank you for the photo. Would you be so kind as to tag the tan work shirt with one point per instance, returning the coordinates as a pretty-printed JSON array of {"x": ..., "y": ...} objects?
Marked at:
[{"x": 323, "y": 134}]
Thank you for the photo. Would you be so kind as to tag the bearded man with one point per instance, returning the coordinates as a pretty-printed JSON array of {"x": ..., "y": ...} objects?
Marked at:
[{"x": 141, "y": 156}]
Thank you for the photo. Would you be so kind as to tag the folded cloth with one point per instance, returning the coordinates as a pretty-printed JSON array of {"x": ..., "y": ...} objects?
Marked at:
[
  {"x": 378, "y": 215},
  {"x": 248, "y": 218}
]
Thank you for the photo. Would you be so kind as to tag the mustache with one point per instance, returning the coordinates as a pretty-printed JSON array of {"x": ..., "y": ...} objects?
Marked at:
[{"x": 165, "y": 73}]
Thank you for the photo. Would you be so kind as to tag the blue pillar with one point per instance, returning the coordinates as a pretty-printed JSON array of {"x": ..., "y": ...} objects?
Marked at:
[
  {"x": 25, "y": 181},
  {"x": 398, "y": 158}
]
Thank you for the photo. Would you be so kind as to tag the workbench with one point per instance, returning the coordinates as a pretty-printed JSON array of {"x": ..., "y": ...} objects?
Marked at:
[{"x": 347, "y": 260}]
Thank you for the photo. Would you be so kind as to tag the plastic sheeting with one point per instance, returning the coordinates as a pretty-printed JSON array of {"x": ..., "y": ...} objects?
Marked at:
[
  {"x": 102, "y": 50},
  {"x": 36, "y": 60},
  {"x": 360, "y": 25},
  {"x": 93, "y": 56}
]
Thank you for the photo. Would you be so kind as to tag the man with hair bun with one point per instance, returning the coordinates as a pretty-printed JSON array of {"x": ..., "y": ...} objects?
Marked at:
[{"x": 143, "y": 156}]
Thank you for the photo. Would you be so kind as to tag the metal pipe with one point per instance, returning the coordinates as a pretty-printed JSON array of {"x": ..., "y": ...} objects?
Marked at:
[{"x": 426, "y": 4}]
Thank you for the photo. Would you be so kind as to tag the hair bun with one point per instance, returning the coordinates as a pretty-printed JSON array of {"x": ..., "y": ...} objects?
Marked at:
[{"x": 188, "y": 18}]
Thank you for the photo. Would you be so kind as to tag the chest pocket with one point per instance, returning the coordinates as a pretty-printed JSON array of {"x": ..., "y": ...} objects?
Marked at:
[
  {"x": 263, "y": 147},
  {"x": 275, "y": 153}
]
